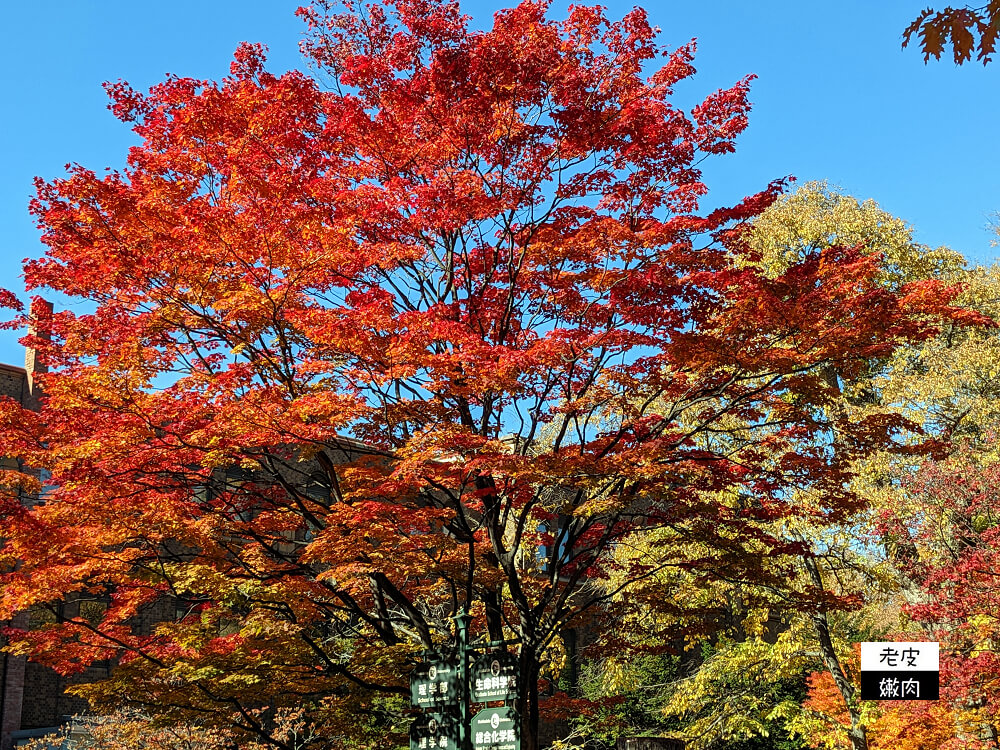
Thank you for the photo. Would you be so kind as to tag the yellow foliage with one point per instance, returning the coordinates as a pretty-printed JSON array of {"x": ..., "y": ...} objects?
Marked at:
[{"x": 817, "y": 216}]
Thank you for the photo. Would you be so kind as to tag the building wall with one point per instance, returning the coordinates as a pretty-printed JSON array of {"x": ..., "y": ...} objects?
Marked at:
[
  {"x": 12, "y": 675},
  {"x": 13, "y": 382},
  {"x": 45, "y": 702},
  {"x": 13, "y": 669},
  {"x": 30, "y": 695}
]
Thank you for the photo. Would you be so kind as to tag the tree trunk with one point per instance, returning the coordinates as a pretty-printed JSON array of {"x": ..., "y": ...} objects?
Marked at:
[
  {"x": 527, "y": 703},
  {"x": 494, "y": 615},
  {"x": 991, "y": 733},
  {"x": 857, "y": 732}
]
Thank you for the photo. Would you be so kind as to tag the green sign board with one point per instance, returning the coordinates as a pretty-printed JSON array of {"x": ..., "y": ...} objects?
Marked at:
[
  {"x": 494, "y": 678},
  {"x": 433, "y": 732},
  {"x": 434, "y": 684},
  {"x": 496, "y": 729}
]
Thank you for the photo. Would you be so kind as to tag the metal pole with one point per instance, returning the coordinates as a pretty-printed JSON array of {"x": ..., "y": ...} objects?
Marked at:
[{"x": 465, "y": 703}]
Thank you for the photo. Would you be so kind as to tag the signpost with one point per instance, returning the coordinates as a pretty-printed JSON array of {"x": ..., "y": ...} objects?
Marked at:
[
  {"x": 899, "y": 671},
  {"x": 494, "y": 678},
  {"x": 434, "y": 732},
  {"x": 434, "y": 683},
  {"x": 448, "y": 689},
  {"x": 496, "y": 729}
]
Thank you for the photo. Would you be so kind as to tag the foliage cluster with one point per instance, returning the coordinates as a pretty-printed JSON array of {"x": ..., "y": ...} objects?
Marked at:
[{"x": 455, "y": 335}]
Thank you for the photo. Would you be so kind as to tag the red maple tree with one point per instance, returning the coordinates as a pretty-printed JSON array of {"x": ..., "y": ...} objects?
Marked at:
[
  {"x": 438, "y": 337},
  {"x": 951, "y": 535}
]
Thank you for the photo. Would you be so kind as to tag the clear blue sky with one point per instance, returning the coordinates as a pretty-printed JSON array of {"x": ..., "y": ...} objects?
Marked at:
[{"x": 835, "y": 99}]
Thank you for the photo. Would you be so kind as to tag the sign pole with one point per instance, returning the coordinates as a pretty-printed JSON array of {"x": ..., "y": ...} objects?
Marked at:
[
  {"x": 462, "y": 632},
  {"x": 445, "y": 688}
]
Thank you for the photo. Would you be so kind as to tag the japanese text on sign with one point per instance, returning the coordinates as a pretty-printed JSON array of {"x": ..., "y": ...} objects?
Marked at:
[
  {"x": 495, "y": 729},
  {"x": 495, "y": 737},
  {"x": 900, "y": 671},
  {"x": 500, "y": 684},
  {"x": 494, "y": 678},
  {"x": 902, "y": 657},
  {"x": 894, "y": 687},
  {"x": 434, "y": 684},
  {"x": 432, "y": 732}
]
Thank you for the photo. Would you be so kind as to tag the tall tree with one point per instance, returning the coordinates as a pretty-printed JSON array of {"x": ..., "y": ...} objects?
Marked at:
[
  {"x": 836, "y": 591},
  {"x": 438, "y": 338},
  {"x": 956, "y": 536}
]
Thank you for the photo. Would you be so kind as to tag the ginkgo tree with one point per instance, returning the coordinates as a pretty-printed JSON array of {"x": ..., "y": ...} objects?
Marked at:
[{"x": 436, "y": 338}]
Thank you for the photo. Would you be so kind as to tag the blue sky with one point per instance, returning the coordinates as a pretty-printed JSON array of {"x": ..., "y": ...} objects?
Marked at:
[{"x": 836, "y": 99}]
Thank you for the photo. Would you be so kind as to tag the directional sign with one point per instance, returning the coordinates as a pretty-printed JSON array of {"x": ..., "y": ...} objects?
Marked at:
[
  {"x": 496, "y": 729},
  {"x": 899, "y": 671},
  {"x": 433, "y": 732},
  {"x": 434, "y": 684},
  {"x": 494, "y": 678}
]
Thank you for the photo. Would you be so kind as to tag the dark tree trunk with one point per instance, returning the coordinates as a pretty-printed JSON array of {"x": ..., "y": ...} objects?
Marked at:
[
  {"x": 494, "y": 615},
  {"x": 856, "y": 733},
  {"x": 527, "y": 704}
]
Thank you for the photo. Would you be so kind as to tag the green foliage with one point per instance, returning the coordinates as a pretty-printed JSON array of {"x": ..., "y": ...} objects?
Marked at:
[
  {"x": 641, "y": 685},
  {"x": 702, "y": 695}
]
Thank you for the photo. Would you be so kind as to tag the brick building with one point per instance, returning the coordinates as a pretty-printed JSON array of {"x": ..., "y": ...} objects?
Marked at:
[
  {"x": 31, "y": 696},
  {"x": 14, "y": 383}
]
